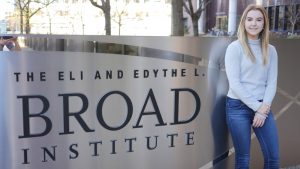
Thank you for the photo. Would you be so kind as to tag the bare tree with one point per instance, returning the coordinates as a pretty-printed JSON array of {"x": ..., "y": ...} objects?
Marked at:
[
  {"x": 20, "y": 6},
  {"x": 177, "y": 18},
  {"x": 50, "y": 20},
  {"x": 104, "y": 5},
  {"x": 294, "y": 14},
  {"x": 195, "y": 14},
  {"x": 26, "y": 11},
  {"x": 119, "y": 12},
  {"x": 50, "y": 13}
]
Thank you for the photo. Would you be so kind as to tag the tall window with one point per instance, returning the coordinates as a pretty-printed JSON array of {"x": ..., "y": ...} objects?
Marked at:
[
  {"x": 297, "y": 25},
  {"x": 281, "y": 19},
  {"x": 186, "y": 26},
  {"x": 221, "y": 22},
  {"x": 272, "y": 16}
]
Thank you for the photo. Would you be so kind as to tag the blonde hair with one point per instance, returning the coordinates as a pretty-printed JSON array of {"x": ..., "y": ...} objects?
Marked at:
[{"x": 263, "y": 35}]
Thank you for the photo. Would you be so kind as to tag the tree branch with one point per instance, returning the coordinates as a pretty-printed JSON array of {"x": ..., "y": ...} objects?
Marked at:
[
  {"x": 186, "y": 8},
  {"x": 202, "y": 6},
  {"x": 44, "y": 5},
  {"x": 191, "y": 6},
  {"x": 97, "y": 5}
]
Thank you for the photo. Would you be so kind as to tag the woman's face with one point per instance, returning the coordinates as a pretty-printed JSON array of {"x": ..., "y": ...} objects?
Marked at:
[{"x": 254, "y": 23}]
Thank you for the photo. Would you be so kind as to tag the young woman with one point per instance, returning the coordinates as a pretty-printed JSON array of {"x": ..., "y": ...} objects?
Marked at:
[{"x": 251, "y": 68}]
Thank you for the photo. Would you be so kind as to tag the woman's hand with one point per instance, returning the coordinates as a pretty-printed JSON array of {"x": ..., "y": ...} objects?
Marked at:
[
  {"x": 259, "y": 119},
  {"x": 261, "y": 115}
]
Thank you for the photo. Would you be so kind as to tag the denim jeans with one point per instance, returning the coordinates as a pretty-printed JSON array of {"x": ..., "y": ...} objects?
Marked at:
[{"x": 239, "y": 120}]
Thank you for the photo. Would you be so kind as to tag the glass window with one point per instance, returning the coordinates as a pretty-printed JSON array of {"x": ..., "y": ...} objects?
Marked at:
[
  {"x": 281, "y": 18},
  {"x": 297, "y": 25},
  {"x": 271, "y": 17},
  {"x": 221, "y": 22},
  {"x": 186, "y": 26}
]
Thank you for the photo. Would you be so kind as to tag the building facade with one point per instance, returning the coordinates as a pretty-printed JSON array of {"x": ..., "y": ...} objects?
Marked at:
[{"x": 280, "y": 14}]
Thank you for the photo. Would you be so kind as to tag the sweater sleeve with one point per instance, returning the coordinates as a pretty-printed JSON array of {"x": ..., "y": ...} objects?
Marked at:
[
  {"x": 233, "y": 70},
  {"x": 271, "y": 84}
]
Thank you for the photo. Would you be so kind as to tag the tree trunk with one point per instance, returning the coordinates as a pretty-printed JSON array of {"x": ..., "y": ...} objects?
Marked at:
[
  {"x": 107, "y": 22},
  {"x": 27, "y": 24},
  {"x": 195, "y": 26},
  {"x": 120, "y": 24},
  {"x": 21, "y": 21},
  {"x": 293, "y": 27},
  {"x": 50, "y": 26},
  {"x": 177, "y": 18},
  {"x": 105, "y": 7},
  {"x": 50, "y": 21}
]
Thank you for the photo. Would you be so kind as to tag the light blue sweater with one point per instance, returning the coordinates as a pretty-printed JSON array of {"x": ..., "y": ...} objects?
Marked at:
[{"x": 250, "y": 81}]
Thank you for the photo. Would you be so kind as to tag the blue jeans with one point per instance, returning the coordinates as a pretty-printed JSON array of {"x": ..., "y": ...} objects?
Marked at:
[{"x": 239, "y": 120}]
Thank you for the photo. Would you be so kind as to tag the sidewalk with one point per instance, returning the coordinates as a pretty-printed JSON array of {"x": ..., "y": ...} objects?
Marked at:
[{"x": 292, "y": 167}]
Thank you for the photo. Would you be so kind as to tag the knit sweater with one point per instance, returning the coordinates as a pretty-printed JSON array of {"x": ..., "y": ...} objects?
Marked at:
[{"x": 251, "y": 81}]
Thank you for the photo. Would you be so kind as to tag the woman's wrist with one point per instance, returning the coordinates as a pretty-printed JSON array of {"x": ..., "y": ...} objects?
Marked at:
[
  {"x": 263, "y": 115},
  {"x": 264, "y": 109}
]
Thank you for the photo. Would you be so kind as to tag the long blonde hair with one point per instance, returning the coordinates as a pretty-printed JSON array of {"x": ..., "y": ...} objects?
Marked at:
[{"x": 263, "y": 35}]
